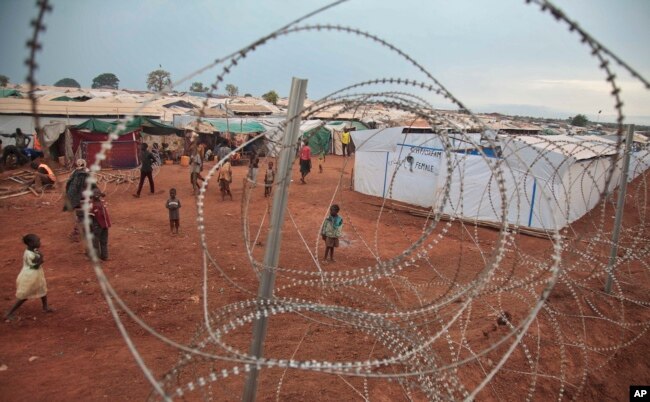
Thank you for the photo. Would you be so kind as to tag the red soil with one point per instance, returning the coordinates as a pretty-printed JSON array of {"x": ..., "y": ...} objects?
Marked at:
[{"x": 77, "y": 353}]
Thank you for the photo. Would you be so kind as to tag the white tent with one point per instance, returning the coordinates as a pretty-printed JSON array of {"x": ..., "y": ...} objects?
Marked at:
[{"x": 548, "y": 181}]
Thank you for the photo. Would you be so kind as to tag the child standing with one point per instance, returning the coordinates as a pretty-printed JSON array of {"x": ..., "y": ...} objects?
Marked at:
[
  {"x": 173, "y": 205},
  {"x": 253, "y": 167},
  {"x": 101, "y": 223},
  {"x": 321, "y": 160},
  {"x": 331, "y": 231},
  {"x": 30, "y": 283},
  {"x": 269, "y": 178},
  {"x": 225, "y": 178}
]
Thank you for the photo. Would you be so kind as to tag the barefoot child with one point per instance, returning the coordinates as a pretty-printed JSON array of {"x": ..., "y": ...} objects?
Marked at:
[
  {"x": 331, "y": 231},
  {"x": 173, "y": 205},
  {"x": 225, "y": 178},
  {"x": 30, "y": 283},
  {"x": 269, "y": 178}
]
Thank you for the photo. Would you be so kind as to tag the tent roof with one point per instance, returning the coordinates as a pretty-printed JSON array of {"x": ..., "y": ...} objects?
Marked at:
[
  {"x": 99, "y": 126},
  {"x": 92, "y": 107},
  {"x": 153, "y": 127},
  {"x": 202, "y": 127},
  {"x": 248, "y": 127},
  {"x": 4, "y": 93},
  {"x": 148, "y": 126},
  {"x": 243, "y": 108},
  {"x": 576, "y": 147}
]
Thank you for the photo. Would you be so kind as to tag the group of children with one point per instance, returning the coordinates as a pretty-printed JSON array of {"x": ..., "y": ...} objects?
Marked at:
[{"x": 31, "y": 283}]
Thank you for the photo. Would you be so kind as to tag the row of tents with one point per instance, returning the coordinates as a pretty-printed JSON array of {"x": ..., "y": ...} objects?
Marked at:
[
  {"x": 84, "y": 139},
  {"x": 539, "y": 182}
]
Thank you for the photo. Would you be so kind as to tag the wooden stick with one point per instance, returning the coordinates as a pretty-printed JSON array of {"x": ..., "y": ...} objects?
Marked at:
[
  {"x": 33, "y": 191},
  {"x": 14, "y": 195}
]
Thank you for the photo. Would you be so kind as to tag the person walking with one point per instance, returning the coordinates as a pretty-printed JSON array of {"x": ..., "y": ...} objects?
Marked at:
[
  {"x": 146, "y": 169},
  {"x": 305, "y": 161},
  {"x": 225, "y": 178},
  {"x": 31, "y": 283}
]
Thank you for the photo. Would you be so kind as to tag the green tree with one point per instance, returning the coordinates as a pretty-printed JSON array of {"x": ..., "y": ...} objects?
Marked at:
[
  {"x": 271, "y": 97},
  {"x": 4, "y": 80},
  {"x": 67, "y": 82},
  {"x": 158, "y": 79},
  {"x": 248, "y": 95},
  {"x": 579, "y": 120},
  {"x": 106, "y": 80},
  {"x": 198, "y": 87},
  {"x": 232, "y": 90}
]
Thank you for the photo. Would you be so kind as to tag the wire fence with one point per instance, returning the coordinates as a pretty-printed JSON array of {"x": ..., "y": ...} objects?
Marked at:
[{"x": 448, "y": 310}]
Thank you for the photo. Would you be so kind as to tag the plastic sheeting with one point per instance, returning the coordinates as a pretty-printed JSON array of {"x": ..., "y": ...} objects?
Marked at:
[{"x": 547, "y": 182}]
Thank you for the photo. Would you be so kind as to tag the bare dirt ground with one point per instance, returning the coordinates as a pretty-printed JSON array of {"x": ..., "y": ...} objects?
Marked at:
[{"x": 570, "y": 350}]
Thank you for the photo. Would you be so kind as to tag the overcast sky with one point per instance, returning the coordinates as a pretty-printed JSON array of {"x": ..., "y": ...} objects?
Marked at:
[{"x": 504, "y": 56}]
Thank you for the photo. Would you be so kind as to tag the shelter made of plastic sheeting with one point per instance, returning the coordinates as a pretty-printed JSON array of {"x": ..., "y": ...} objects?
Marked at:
[
  {"x": 86, "y": 144},
  {"x": 237, "y": 126}
]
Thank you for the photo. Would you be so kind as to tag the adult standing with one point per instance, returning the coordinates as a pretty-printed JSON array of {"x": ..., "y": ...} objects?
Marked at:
[
  {"x": 224, "y": 150},
  {"x": 345, "y": 141},
  {"x": 146, "y": 169},
  {"x": 305, "y": 161},
  {"x": 22, "y": 140},
  {"x": 253, "y": 168},
  {"x": 196, "y": 165},
  {"x": 74, "y": 188},
  {"x": 19, "y": 150}
]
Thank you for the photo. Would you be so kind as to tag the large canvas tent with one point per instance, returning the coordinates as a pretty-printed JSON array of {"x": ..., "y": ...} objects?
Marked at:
[{"x": 548, "y": 181}]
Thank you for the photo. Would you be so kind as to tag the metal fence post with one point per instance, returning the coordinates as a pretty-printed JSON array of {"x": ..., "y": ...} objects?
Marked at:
[
  {"x": 272, "y": 251},
  {"x": 620, "y": 205}
]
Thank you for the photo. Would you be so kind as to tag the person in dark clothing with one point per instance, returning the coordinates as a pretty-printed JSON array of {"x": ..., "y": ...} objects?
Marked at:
[
  {"x": 101, "y": 223},
  {"x": 22, "y": 140},
  {"x": 12, "y": 151},
  {"x": 146, "y": 169},
  {"x": 74, "y": 188}
]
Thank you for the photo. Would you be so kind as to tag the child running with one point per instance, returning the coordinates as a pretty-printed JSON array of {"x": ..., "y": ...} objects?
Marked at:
[
  {"x": 30, "y": 283},
  {"x": 173, "y": 205},
  {"x": 269, "y": 178},
  {"x": 331, "y": 231}
]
